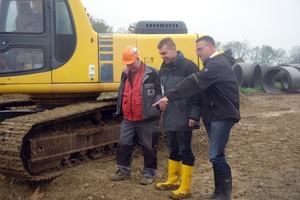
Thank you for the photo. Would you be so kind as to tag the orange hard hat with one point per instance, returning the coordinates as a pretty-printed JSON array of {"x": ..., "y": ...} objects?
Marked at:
[{"x": 130, "y": 53}]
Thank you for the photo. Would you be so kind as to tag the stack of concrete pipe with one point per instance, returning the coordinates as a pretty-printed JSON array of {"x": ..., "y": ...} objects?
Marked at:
[{"x": 250, "y": 75}]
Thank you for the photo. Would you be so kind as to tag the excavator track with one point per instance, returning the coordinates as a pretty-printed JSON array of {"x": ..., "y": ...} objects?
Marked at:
[
  {"x": 38, "y": 146},
  {"x": 13, "y": 108}
]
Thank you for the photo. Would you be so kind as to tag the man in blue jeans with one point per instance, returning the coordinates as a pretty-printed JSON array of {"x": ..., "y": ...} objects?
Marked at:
[{"x": 219, "y": 106}]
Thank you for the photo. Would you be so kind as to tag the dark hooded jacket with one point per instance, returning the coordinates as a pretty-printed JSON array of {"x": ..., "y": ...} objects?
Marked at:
[
  {"x": 218, "y": 86},
  {"x": 178, "y": 113}
]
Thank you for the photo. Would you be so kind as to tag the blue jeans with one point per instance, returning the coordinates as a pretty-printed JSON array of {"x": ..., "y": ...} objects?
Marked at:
[
  {"x": 218, "y": 134},
  {"x": 180, "y": 148}
]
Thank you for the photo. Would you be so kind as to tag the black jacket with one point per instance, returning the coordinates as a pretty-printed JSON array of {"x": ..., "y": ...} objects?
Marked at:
[
  {"x": 178, "y": 113},
  {"x": 218, "y": 86}
]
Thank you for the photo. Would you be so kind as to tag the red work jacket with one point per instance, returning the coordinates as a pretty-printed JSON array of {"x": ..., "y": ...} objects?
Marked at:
[{"x": 132, "y": 106}]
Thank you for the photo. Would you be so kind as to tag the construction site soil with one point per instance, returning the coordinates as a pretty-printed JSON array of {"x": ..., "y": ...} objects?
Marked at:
[{"x": 263, "y": 151}]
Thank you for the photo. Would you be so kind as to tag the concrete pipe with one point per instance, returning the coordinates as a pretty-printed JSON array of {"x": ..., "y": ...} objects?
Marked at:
[
  {"x": 297, "y": 66},
  {"x": 252, "y": 75},
  {"x": 238, "y": 73},
  {"x": 289, "y": 77}
]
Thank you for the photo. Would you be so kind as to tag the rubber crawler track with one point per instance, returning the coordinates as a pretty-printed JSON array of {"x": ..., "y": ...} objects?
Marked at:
[{"x": 14, "y": 131}]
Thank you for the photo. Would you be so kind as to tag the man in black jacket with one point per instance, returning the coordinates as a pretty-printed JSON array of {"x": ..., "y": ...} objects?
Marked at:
[
  {"x": 179, "y": 120},
  {"x": 220, "y": 106}
]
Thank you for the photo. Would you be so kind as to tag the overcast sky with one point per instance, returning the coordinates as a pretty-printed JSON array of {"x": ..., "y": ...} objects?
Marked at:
[{"x": 260, "y": 22}]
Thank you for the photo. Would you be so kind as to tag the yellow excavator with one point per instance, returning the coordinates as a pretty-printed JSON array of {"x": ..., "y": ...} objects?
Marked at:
[{"x": 50, "y": 53}]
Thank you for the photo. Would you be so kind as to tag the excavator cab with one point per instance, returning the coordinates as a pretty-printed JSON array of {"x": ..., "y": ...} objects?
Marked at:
[
  {"x": 38, "y": 39},
  {"x": 24, "y": 45}
]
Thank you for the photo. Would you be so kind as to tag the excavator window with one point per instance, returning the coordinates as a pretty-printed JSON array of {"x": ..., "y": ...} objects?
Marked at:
[
  {"x": 28, "y": 20},
  {"x": 21, "y": 59},
  {"x": 65, "y": 39},
  {"x": 20, "y": 18}
]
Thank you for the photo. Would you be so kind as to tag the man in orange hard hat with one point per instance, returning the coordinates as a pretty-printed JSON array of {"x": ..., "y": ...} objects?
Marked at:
[{"x": 139, "y": 89}]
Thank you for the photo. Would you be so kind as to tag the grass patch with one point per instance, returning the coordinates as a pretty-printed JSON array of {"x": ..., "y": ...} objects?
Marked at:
[{"x": 244, "y": 90}]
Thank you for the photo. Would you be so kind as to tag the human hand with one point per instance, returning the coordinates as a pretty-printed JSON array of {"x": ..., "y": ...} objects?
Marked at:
[
  {"x": 192, "y": 123},
  {"x": 162, "y": 103}
]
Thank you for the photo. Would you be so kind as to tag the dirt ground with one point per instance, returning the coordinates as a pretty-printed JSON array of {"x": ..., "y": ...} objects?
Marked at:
[{"x": 264, "y": 154}]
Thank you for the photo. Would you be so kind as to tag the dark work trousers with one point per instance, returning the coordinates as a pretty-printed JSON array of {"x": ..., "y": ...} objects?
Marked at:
[
  {"x": 145, "y": 132},
  {"x": 180, "y": 147}
]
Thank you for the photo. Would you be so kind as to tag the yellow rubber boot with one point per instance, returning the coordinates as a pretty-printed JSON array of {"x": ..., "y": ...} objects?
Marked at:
[
  {"x": 184, "y": 191},
  {"x": 173, "y": 182}
]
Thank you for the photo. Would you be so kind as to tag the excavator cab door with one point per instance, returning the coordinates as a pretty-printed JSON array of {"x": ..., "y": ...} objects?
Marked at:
[{"x": 24, "y": 37}]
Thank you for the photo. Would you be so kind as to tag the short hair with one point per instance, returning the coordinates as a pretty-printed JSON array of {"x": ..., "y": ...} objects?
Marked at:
[
  {"x": 207, "y": 39},
  {"x": 166, "y": 41}
]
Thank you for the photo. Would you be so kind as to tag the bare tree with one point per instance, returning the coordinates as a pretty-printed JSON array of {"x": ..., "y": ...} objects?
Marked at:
[
  {"x": 239, "y": 49},
  {"x": 295, "y": 54},
  {"x": 218, "y": 44},
  {"x": 280, "y": 57},
  {"x": 267, "y": 56},
  {"x": 100, "y": 26},
  {"x": 254, "y": 54}
]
